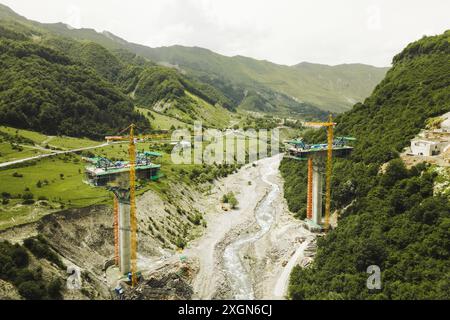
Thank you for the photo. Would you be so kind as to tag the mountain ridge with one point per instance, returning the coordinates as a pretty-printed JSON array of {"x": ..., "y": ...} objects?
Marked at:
[{"x": 334, "y": 90}]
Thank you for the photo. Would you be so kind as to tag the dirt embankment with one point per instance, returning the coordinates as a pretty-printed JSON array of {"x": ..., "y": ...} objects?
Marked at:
[{"x": 84, "y": 238}]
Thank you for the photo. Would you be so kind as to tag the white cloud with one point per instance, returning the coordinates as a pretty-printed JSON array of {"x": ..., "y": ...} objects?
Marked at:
[{"x": 283, "y": 31}]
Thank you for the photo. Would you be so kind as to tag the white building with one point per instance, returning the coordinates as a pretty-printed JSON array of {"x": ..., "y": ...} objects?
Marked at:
[{"x": 421, "y": 147}]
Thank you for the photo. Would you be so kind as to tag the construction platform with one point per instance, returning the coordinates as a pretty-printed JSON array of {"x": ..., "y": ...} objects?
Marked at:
[
  {"x": 103, "y": 171},
  {"x": 304, "y": 154},
  {"x": 299, "y": 150}
]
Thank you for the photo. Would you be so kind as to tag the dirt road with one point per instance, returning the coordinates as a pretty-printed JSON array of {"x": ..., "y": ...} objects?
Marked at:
[{"x": 52, "y": 153}]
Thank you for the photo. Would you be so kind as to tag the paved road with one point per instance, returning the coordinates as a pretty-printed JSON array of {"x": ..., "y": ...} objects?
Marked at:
[{"x": 52, "y": 153}]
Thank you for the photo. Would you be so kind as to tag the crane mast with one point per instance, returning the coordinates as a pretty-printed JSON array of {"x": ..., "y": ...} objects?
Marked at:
[
  {"x": 116, "y": 230},
  {"x": 328, "y": 175},
  {"x": 309, "y": 208},
  {"x": 133, "y": 218}
]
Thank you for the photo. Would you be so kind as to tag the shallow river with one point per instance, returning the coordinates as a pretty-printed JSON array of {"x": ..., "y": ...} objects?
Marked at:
[{"x": 241, "y": 283}]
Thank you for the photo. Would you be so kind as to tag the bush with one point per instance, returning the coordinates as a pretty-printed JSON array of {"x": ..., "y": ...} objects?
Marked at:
[
  {"x": 27, "y": 195},
  {"x": 41, "y": 249},
  {"x": 17, "y": 175},
  {"x": 196, "y": 219},
  {"x": 32, "y": 290},
  {"x": 54, "y": 289},
  {"x": 20, "y": 256},
  {"x": 6, "y": 195},
  {"x": 14, "y": 264},
  {"x": 231, "y": 199},
  {"x": 28, "y": 198},
  {"x": 180, "y": 243}
]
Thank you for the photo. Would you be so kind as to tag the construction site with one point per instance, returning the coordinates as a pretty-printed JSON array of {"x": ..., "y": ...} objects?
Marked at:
[
  {"x": 144, "y": 265},
  {"x": 103, "y": 171},
  {"x": 125, "y": 267},
  {"x": 131, "y": 248},
  {"x": 319, "y": 158}
]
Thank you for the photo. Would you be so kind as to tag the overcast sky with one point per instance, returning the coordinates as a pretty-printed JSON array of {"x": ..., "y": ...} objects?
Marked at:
[{"x": 282, "y": 31}]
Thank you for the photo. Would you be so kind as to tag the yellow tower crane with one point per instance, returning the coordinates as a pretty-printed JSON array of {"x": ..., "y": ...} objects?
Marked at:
[
  {"x": 309, "y": 209},
  {"x": 329, "y": 169},
  {"x": 132, "y": 138},
  {"x": 116, "y": 230},
  {"x": 133, "y": 219}
]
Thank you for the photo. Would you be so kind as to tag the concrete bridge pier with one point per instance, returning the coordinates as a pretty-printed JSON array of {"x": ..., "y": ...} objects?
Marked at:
[
  {"x": 124, "y": 226},
  {"x": 124, "y": 237},
  {"x": 317, "y": 194}
]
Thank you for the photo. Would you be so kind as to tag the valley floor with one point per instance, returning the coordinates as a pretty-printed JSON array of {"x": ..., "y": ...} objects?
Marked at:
[
  {"x": 247, "y": 253},
  {"x": 244, "y": 253}
]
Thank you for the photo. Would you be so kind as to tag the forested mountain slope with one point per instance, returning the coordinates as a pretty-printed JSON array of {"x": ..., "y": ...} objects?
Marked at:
[
  {"x": 63, "y": 86},
  {"x": 251, "y": 84},
  {"x": 332, "y": 88},
  {"x": 44, "y": 90},
  {"x": 392, "y": 218},
  {"x": 149, "y": 85},
  {"x": 222, "y": 74},
  {"x": 211, "y": 87}
]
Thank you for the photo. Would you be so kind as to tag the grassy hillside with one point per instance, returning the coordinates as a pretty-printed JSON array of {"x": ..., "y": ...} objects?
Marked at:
[
  {"x": 160, "y": 121},
  {"x": 330, "y": 88},
  {"x": 391, "y": 218},
  {"x": 213, "y": 85},
  {"x": 88, "y": 90}
]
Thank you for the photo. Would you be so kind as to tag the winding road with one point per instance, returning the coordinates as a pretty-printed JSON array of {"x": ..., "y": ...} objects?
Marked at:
[{"x": 51, "y": 154}]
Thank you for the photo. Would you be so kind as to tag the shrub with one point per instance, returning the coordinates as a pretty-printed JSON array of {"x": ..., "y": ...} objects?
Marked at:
[
  {"x": 180, "y": 243},
  {"x": 231, "y": 199},
  {"x": 54, "y": 289},
  {"x": 41, "y": 249},
  {"x": 27, "y": 195},
  {"x": 6, "y": 195},
  {"x": 32, "y": 290},
  {"x": 20, "y": 256},
  {"x": 196, "y": 219}
]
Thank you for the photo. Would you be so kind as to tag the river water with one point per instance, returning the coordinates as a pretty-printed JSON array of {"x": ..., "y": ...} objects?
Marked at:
[{"x": 241, "y": 284}]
